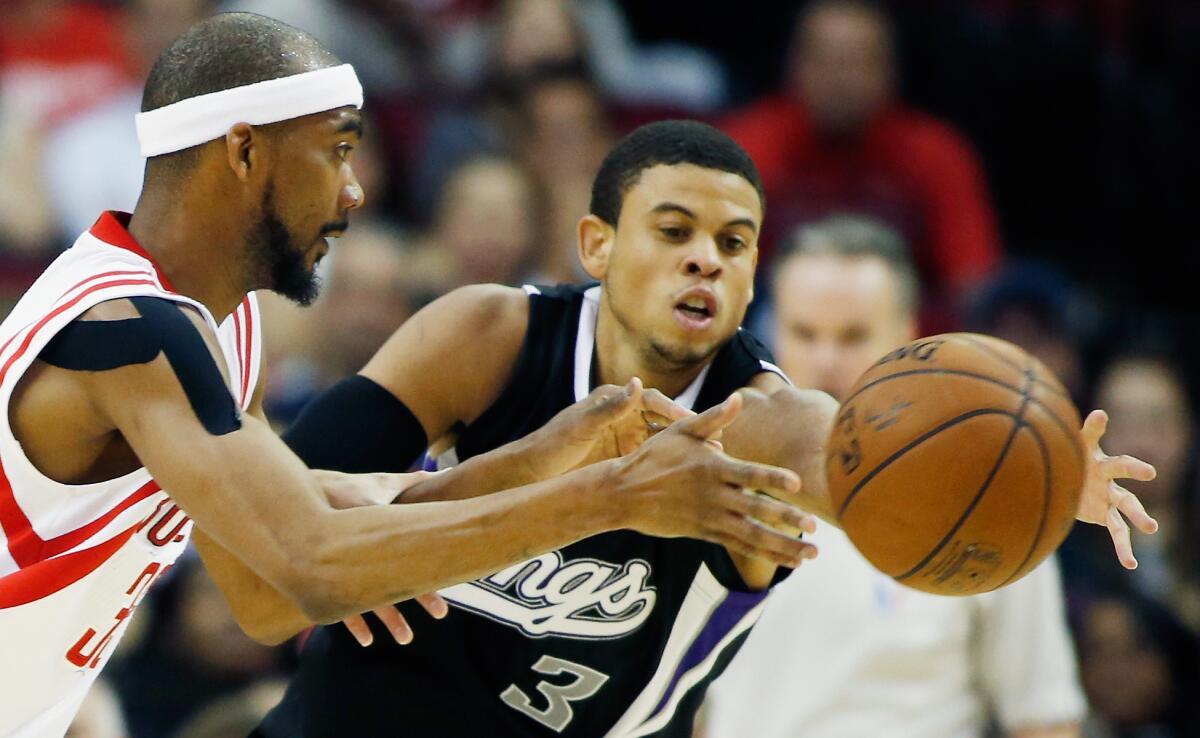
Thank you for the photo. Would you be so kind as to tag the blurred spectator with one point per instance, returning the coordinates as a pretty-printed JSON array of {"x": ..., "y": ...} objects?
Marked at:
[
  {"x": 92, "y": 161},
  {"x": 1032, "y": 305},
  {"x": 26, "y": 218},
  {"x": 1151, "y": 417},
  {"x": 378, "y": 44},
  {"x": 838, "y": 139},
  {"x": 856, "y": 653},
  {"x": 526, "y": 34},
  {"x": 487, "y": 226},
  {"x": 194, "y": 652},
  {"x": 59, "y": 57},
  {"x": 370, "y": 288},
  {"x": 524, "y": 37},
  {"x": 565, "y": 133},
  {"x": 99, "y": 716},
  {"x": 1139, "y": 667}
]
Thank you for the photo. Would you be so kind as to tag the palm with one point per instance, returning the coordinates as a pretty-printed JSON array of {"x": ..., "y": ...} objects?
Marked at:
[{"x": 1104, "y": 501}]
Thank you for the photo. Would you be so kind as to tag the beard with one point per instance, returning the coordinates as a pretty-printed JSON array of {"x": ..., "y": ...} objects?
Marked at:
[{"x": 282, "y": 265}]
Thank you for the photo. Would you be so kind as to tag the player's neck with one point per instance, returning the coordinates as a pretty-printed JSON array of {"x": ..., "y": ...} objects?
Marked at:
[
  {"x": 193, "y": 250},
  {"x": 620, "y": 358}
]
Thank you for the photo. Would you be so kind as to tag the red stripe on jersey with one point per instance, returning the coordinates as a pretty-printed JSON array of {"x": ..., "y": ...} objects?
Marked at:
[
  {"x": 249, "y": 344},
  {"x": 93, "y": 278},
  {"x": 102, "y": 275},
  {"x": 237, "y": 339},
  {"x": 49, "y": 576},
  {"x": 16, "y": 525},
  {"x": 113, "y": 229},
  {"x": 28, "y": 548},
  {"x": 59, "y": 310}
]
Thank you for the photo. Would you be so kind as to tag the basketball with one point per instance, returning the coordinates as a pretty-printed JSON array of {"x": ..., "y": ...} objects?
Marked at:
[{"x": 955, "y": 464}]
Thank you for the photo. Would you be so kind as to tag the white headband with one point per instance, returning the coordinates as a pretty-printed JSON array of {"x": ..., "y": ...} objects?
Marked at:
[{"x": 203, "y": 118}]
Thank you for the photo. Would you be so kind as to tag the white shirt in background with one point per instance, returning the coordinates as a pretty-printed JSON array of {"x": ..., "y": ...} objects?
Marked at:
[{"x": 843, "y": 651}]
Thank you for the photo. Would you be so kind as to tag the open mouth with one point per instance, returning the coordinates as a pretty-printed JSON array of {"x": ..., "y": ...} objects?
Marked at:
[{"x": 696, "y": 311}]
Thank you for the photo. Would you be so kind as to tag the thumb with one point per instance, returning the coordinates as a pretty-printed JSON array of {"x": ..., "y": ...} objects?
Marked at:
[
  {"x": 613, "y": 406},
  {"x": 707, "y": 426},
  {"x": 1094, "y": 426}
]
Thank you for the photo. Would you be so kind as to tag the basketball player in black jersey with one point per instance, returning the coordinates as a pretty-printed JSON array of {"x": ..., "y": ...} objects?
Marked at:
[{"x": 618, "y": 634}]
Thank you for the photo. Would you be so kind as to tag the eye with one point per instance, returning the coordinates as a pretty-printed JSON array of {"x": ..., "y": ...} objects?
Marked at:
[
  {"x": 735, "y": 243},
  {"x": 673, "y": 233},
  {"x": 343, "y": 151}
]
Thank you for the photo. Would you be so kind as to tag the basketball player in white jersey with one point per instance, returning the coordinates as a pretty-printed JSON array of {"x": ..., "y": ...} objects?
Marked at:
[{"x": 129, "y": 384}]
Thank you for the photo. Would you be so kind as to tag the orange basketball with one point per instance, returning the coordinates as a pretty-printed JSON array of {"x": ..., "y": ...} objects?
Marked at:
[{"x": 955, "y": 464}]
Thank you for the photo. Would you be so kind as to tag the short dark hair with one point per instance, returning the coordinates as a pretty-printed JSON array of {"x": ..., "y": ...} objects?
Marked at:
[
  {"x": 667, "y": 142},
  {"x": 225, "y": 51},
  {"x": 859, "y": 237}
]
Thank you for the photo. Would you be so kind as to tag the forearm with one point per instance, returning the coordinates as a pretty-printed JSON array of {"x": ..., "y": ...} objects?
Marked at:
[
  {"x": 367, "y": 557},
  {"x": 262, "y": 612},
  {"x": 507, "y": 467}
]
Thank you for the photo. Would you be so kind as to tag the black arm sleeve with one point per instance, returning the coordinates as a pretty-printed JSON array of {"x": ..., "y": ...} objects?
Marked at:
[{"x": 357, "y": 426}]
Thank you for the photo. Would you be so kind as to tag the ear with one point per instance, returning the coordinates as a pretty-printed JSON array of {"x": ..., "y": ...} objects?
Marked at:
[
  {"x": 241, "y": 150},
  {"x": 595, "y": 245}
]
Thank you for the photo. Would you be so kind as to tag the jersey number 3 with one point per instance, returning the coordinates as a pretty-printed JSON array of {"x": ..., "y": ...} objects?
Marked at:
[{"x": 557, "y": 713}]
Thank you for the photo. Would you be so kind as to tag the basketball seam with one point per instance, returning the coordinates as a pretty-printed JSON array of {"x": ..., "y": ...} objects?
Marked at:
[
  {"x": 972, "y": 375},
  {"x": 1026, "y": 397},
  {"x": 1047, "y": 475},
  {"x": 913, "y": 444},
  {"x": 1006, "y": 360}
]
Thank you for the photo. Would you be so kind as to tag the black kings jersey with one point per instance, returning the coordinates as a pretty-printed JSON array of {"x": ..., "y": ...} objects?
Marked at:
[{"x": 615, "y": 635}]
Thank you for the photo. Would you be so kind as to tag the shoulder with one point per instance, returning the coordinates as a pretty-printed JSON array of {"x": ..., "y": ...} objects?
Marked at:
[{"x": 484, "y": 311}]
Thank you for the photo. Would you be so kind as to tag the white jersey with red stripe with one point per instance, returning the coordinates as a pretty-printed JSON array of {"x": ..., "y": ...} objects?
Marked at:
[{"x": 75, "y": 560}]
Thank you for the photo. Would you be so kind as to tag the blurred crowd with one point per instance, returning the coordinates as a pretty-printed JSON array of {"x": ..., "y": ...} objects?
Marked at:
[{"x": 1032, "y": 154}]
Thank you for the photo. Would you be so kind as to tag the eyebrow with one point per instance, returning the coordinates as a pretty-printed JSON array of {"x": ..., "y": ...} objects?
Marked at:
[
  {"x": 671, "y": 207},
  {"x": 352, "y": 124}
]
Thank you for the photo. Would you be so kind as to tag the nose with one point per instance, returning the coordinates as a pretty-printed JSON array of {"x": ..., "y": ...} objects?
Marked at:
[
  {"x": 351, "y": 196},
  {"x": 702, "y": 259}
]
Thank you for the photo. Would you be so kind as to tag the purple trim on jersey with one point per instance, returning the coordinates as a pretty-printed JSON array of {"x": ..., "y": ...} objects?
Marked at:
[
  {"x": 722, "y": 620},
  {"x": 428, "y": 463}
]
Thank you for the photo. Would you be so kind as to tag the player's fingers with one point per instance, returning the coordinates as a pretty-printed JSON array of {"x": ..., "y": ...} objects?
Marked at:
[
  {"x": 661, "y": 409},
  {"x": 768, "y": 512},
  {"x": 783, "y": 484},
  {"x": 1119, "y": 532},
  {"x": 395, "y": 623},
  {"x": 610, "y": 403},
  {"x": 434, "y": 604},
  {"x": 1094, "y": 426},
  {"x": 759, "y": 541},
  {"x": 1131, "y": 507},
  {"x": 1127, "y": 467},
  {"x": 709, "y": 424},
  {"x": 358, "y": 628}
]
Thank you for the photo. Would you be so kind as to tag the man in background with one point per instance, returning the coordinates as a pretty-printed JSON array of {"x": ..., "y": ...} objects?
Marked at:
[{"x": 843, "y": 651}]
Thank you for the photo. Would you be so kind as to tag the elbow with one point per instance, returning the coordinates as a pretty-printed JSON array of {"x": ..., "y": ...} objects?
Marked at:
[{"x": 268, "y": 632}]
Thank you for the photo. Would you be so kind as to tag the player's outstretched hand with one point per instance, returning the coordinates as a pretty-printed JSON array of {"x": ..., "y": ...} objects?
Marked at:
[
  {"x": 680, "y": 483},
  {"x": 610, "y": 422},
  {"x": 1103, "y": 501}
]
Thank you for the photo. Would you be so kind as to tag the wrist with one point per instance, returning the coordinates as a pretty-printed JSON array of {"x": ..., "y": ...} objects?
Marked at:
[{"x": 607, "y": 509}]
